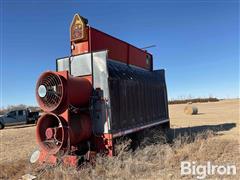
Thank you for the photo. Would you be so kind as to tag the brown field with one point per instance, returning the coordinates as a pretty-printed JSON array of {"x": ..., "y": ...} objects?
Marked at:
[{"x": 211, "y": 135}]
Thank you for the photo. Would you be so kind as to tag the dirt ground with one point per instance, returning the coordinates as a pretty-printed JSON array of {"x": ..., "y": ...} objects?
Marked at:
[
  {"x": 17, "y": 143},
  {"x": 222, "y": 117}
]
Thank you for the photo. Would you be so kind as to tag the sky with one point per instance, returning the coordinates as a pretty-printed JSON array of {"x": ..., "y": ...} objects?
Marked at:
[{"x": 197, "y": 42}]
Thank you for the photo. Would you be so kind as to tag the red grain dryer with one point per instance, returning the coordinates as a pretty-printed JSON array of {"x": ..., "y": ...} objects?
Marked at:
[{"x": 106, "y": 89}]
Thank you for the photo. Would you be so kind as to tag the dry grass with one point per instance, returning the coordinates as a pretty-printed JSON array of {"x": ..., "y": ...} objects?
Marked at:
[{"x": 156, "y": 158}]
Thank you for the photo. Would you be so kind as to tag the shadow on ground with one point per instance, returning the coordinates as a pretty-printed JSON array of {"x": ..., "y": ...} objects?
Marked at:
[{"x": 173, "y": 133}]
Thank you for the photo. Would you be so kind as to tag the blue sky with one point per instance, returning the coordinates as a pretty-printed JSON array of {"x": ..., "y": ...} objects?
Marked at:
[{"x": 197, "y": 42}]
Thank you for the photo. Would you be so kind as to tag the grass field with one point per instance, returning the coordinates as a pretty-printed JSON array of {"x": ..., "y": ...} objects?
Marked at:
[{"x": 211, "y": 135}]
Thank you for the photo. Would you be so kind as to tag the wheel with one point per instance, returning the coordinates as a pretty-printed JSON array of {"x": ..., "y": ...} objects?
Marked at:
[{"x": 1, "y": 126}]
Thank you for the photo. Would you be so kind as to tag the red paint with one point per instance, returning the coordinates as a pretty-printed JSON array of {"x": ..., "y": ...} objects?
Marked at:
[
  {"x": 74, "y": 90},
  {"x": 109, "y": 145},
  {"x": 45, "y": 157},
  {"x": 101, "y": 41},
  {"x": 117, "y": 49},
  {"x": 45, "y": 139},
  {"x": 79, "y": 91},
  {"x": 79, "y": 48},
  {"x": 49, "y": 133},
  {"x": 78, "y": 128},
  {"x": 138, "y": 58},
  {"x": 70, "y": 160}
]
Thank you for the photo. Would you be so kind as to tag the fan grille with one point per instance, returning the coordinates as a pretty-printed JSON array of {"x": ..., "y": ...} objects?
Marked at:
[
  {"x": 57, "y": 139},
  {"x": 49, "y": 91}
]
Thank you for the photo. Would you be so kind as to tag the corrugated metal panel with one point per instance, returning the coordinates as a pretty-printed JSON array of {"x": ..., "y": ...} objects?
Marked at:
[{"x": 137, "y": 97}]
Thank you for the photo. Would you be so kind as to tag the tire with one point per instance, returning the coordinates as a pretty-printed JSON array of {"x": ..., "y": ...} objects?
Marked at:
[{"x": 1, "y": 125}]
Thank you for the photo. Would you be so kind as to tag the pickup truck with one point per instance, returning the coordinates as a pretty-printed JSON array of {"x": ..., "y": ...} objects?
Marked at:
[{"x": 23, "y": 116}]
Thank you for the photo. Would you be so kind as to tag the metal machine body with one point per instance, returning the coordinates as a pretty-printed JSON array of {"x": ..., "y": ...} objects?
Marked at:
[{"x": 106, "y": 89}]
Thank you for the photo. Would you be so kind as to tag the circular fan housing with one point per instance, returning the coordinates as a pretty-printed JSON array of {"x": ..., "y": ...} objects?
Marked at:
[
  {"x": 50, "y": 91},
  {"x": 52, "y": 133},
  {"x": 55, "y": 92}
]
